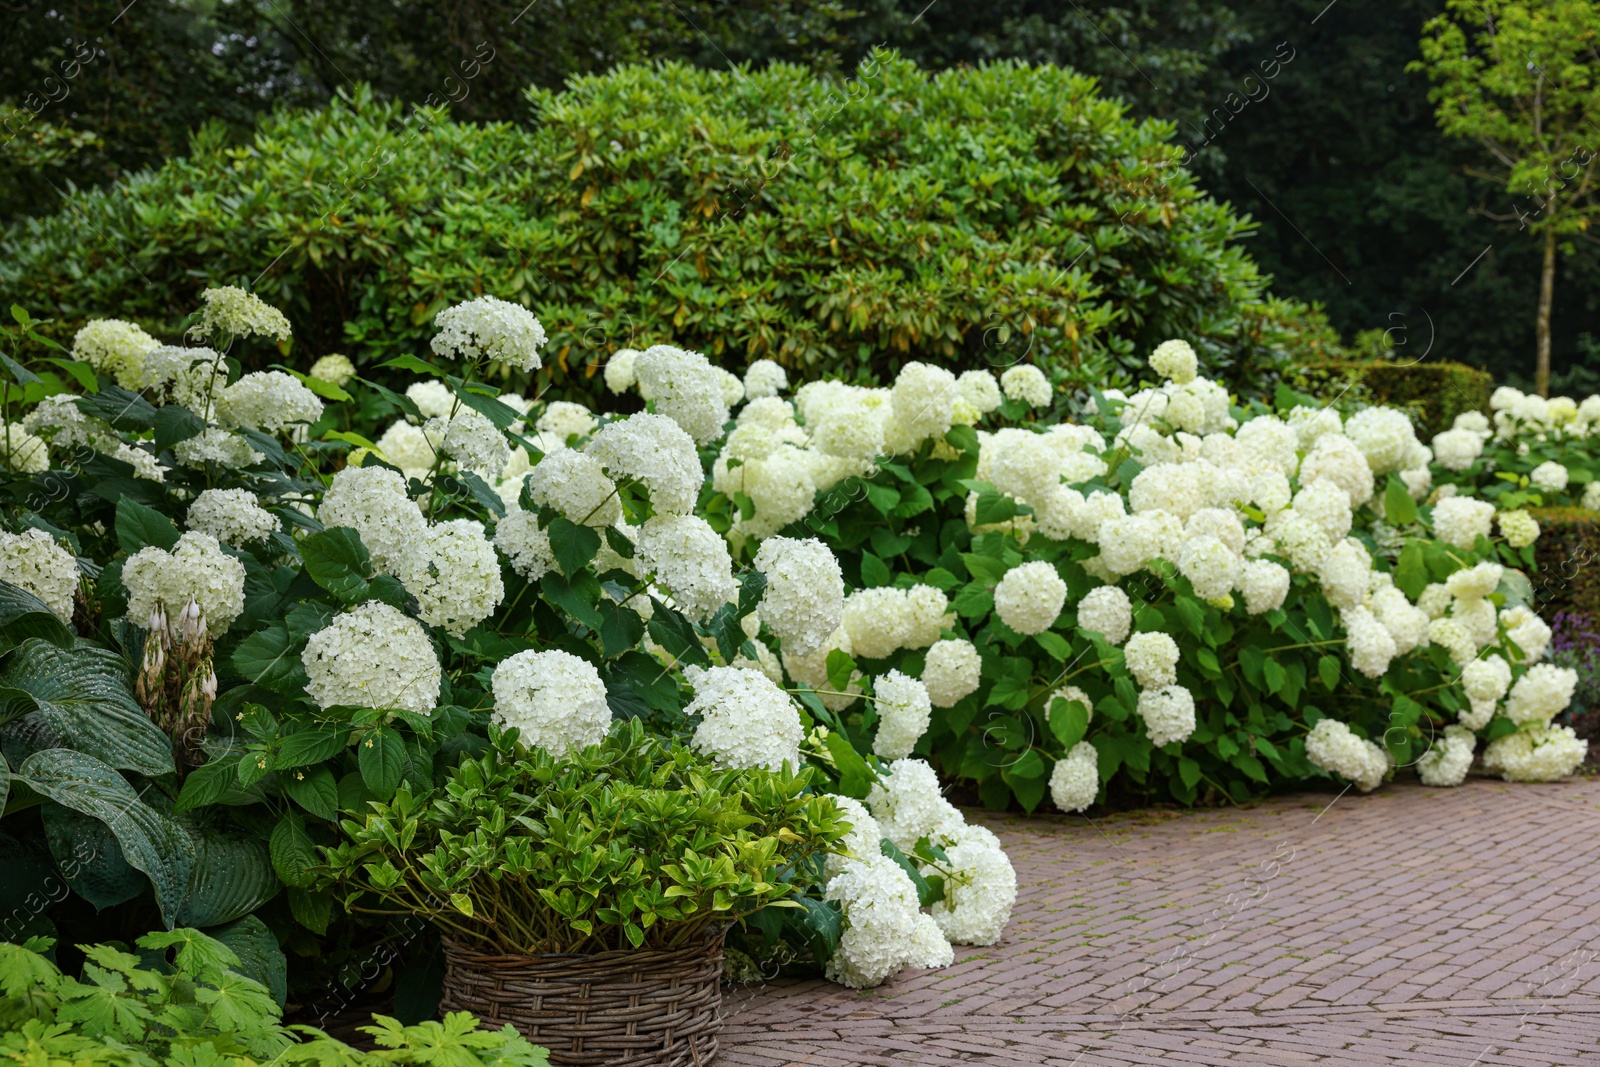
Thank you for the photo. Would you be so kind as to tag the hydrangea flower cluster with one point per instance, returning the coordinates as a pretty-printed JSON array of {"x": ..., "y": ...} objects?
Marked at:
[
  {"x": 489, "y": 328},
  {"x": 904, "y": 713},
  {"x": 230, "y": 312},
  {"x": 33, "y": 562},
  {"x": 233, "y": 516},
  {"x": 373, "y": 656},
  {"x": 684, "y": 387},
  {"x": 745, "y": 720},
  {"x": 555, "y": 700},
  {"x": 196, "y": 569},
  {"x": 804, "y": 598}
]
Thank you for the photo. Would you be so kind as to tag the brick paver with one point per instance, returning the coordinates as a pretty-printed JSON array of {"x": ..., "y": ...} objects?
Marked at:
[{"x": 1439, "y": 927}]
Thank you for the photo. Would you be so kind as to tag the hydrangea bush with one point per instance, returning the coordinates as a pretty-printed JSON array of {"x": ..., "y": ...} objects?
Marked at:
[
  {"x": 244, "y": 615},
  {"x": 1526, "y": 450}
]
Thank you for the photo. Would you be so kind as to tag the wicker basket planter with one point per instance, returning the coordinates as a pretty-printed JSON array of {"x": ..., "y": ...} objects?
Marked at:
[{"x": 622, "y": 1009}]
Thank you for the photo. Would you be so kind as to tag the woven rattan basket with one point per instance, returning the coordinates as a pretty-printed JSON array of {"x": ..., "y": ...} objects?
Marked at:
[{"x": 622, "y": 1009}]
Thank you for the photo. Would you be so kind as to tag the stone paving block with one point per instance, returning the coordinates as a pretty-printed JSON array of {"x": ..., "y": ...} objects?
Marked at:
[{"x": 1412, "y": 927}]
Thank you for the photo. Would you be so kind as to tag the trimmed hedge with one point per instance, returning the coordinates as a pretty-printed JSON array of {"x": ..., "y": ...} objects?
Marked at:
[
  {"x": 1566, "y": 553},
  {"x": 1434, "y": 393},
  {"x": 990, "y": 215}
]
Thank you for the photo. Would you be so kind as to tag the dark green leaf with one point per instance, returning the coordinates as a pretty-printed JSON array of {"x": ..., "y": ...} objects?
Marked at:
[
  {"x": 382, "y": 758},
  {"x": 139, "y": 526},
  {"x": 573, "y": 545},
  {"x": 81, "y": 697}
]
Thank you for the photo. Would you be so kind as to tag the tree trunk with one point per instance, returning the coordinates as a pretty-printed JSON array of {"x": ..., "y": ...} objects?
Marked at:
[{"x": 1547, "y": 289}]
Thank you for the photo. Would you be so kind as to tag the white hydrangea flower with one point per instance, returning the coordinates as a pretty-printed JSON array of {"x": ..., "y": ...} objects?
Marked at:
[
  {"x": 861, "y": 843},
  {"x": 619, "y": 370},
  {"x": 471, "y": 439},
  {"x": 1549, "y": 476},
  {"x": 1370, "y": 644},
  {"x": 233, "y": 516},
  {"x": 745, "y": 720},
  {"x": 1461, "y": 520},
  {"x": 454, "y": 574},
  {"x": 878, "y": 621},
  {"x": 525, "y": 545},
  {"x": 1541, "y": 694},
  {"x": 1449, "y": 758},
  {"x": 883, "y": 927},
  {"x": 563, "y": 420},
  {"x": 1407, "y": 625},
  {"x": 1417, "y": 482},
  {"x": 1345, "y": 573},
  {"x": 1485, "y": 682},
  {"x": 684, "y": 387},
  {"x": 979, "y": 891},
  {"x": 907, "y": 802},
  {"x": 196, "y": 569},
  {"x": 23, "y": 453},
  {"x": 658, "y": 453},
  {"x": 1520, "y": 529},
  {"x": 414, "y": 449},
  {"x": 115, "y": 348},
  {"x": 489, "y": 328},
  {"x": 373, "y": 502},
  {"x": 1175, "y": 360},
  {"x": 1327, "y": 505},
  {"x": 979, "y": 388},
  {"x": 1211, "y": 567},
  {"x": 144, "y": 465},
  {"x": 1476, "y": 581},
  {"x": 335, "y": 369},
  {"x": 804, "y": 599},
  {"x": 764, "y": 378},
  {"x": 268, "y": 400},
  {"x": 575, "y": 484},
  {"x": 1476, "y": 421},
  {"x": 433, "y": 398},
  {"x": 32, "y": 561},
  {"x": 1107, "y": 611},
  {"x": 782, "y": 489},
  {"x": 1333, "y": 747},
  {"x": 1152, "y": 659},
  {"x": 1075, "y": 780},
  {"x": 1527, "y": 631},
  {"x": 61, "y": 423},
  {"x": 1456, "y": 450},
  {"x": 373, "y": 656},
  {"x": 690, "y": 560},
  {"x": 555, "y": 700},
  {"x": 904, "y": 714},
  {"x": 230, "y": 312},
  {"x": 1338, "y": 459},
  {"x": 811, "y": 671},
  {"x": 1030, "y": 597},
  {"x": 1027, "y": 384},
  {"x": 951, "y": 672},
  {"x": 1591, "y": 496},
  {"x": 1540, "y": 754},
  {"x": 1168, "y": 713},
  {"x": 1267, "y": 443},
  {"x": 923, "y": 400},
  {"x": 1264, "y": 584},
  {"x": 1385, "y": 436},
  {"x": 1310, "y": 424},
  {"x": 216, "y": 445}
]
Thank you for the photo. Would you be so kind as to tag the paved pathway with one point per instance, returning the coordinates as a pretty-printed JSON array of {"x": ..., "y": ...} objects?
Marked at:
[{"x": 1415, "y": 926}]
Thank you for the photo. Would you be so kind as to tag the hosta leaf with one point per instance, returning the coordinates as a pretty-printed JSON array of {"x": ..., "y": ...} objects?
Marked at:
[
  {"x": 231, "y": 876},
  {"x": 88, "y": 856},
  {"x": 150, "y": 841},
  {"x": 83, "y": 698}
]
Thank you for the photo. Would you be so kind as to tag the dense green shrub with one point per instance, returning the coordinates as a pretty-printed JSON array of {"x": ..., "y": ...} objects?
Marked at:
[
  {"x": 993, "y": 215},
  {"x": 1433, "y": 393},
  {"x": 1569, "y": 542}
]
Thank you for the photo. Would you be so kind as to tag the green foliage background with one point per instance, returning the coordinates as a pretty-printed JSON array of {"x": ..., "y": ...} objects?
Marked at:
[{"x": 970, "y": 218}]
